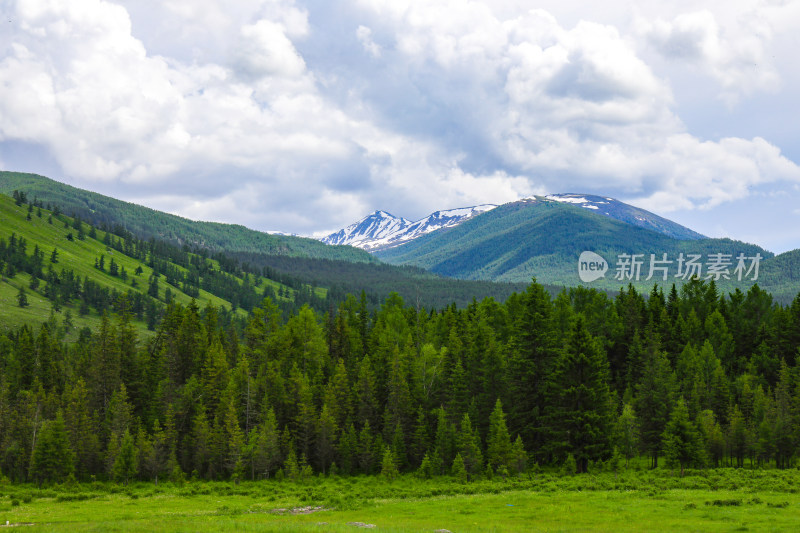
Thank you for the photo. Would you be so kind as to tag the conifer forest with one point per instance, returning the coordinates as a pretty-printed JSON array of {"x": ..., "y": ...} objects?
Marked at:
[{"x": 685, "y": 377}]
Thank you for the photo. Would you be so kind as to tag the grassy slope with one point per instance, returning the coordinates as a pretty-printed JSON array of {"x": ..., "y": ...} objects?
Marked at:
[
  {"x": 351, "y": 268},
  {"x": 145, "y": 222},
  {"x": 78, "y": 256}
]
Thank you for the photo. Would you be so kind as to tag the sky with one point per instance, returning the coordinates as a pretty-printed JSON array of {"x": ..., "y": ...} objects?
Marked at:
[{"x": 305, "y": 116}]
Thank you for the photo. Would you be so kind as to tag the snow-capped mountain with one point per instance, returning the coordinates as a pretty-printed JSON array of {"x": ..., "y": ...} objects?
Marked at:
[
  {"x": 381, "y": 230},
  {"x": 627, "y": 213},
  {"x": 373, "y": 228}
]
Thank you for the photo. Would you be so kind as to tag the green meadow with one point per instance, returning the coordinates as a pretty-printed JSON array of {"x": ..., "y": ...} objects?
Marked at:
[{"x": 710, "y": 500}]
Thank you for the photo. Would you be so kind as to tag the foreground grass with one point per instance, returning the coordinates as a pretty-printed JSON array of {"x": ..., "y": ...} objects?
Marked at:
[{"x": 719, "y": 500}]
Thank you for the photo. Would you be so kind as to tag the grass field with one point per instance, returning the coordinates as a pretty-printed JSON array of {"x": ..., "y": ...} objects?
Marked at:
[{"x": 716, "y": 500}]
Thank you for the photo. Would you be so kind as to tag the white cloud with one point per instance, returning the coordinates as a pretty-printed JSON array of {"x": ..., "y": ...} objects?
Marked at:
[
  {"x": 265, "y": 50},
  {"x": 738, "y": 56},
  {"x": 364, "y": 35},
  {"x": 265, "y": 114},
  {"x": 579, "y": 108}
]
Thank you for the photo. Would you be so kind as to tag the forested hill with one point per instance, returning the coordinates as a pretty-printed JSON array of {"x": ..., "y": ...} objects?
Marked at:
[
  {"x": 144, "y": 222},
  {"x": 70, "y": 271},
  {"x": 62, "y": 270},
  {"x": 690, "y": 378},
  {"x": 543, "y": 239}
]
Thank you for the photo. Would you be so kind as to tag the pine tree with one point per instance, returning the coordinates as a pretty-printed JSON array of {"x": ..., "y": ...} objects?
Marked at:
[
  {"x": 233, "y": 442},
  {"x": 580, "y": 416},
  {"x": 444, "y": 445},
  {"x": 468, "y": 445},
  {"x": 326, "y": 439},
  {"x": 738, "y": 436},
  {"x": 388, "y": 465},
  {"x": 426, "y": 470},
  {"x": 348, "y": 450},
  {"x": 519, "y": 457},
  {"x": 365, "y": 393},
  {"x": 533, "y": 350},
  {"x": 458, "y": 399},
  {"x": 654, "y": 398},
  {"x": 337, "y": 395},
  {"x": 498, "y": 441},
  {"x": 366, "y": 457},
  {"x": 458, "y": 470},
  {"x": 82, "y": 430},
  {"x": 265, "y": 447},
  {"x": 682, "y": 444},
  {"x": 53, "y": 459},
  {"x": 419, "y": 439},
  {"x": 153, "y": 452},
  {"x": 22, "y": 297},
  {"x": 126, "y": 462}
]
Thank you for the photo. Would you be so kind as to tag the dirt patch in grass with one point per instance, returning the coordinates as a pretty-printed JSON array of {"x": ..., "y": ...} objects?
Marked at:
[{"x": 301, "y": 510}]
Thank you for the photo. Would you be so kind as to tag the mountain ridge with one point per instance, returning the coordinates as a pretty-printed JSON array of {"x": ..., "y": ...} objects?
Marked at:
[
  {"x": 145, "y": 222},
  {"x": 381, "y": 230},
  {"x": 542, "y": 238}
]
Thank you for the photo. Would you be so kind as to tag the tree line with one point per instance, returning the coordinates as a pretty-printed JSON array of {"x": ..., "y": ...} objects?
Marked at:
[{"x": 580, "y": 379}]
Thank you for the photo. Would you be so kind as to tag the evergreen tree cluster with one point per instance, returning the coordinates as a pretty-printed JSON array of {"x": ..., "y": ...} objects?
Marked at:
[{"x": 691, "y": 377}]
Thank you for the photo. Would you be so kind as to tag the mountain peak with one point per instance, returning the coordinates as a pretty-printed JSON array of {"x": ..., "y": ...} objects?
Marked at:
[
  {"x": 623, "y": 212},
  {"x": 380, "y": 229}
]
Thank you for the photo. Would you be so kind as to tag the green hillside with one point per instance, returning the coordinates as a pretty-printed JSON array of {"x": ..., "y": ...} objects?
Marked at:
[
  {"x": 71, "y": 272},
  {"x": 780, "y": 275},
  {"x": 227, "y": 280},
  {"x": 145, "y": 222},
  {"x": 534, "y": 238}
]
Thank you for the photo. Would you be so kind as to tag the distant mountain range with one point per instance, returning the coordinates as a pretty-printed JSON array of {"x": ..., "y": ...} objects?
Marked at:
[
  {"x": 381, "y": 230},
  {"x": 543, "y": 237},
  {"x": 540, "y": 237}
]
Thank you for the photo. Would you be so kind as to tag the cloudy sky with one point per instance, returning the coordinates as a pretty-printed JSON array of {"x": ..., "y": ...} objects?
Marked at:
[{"x": 303, "y": 116}]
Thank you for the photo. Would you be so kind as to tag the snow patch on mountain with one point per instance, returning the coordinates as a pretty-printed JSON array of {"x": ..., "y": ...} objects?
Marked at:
[
  {"x": 373, "y": 228},
  {"x": 381, "y": 230},
  {"x": 626, "y": 213}
]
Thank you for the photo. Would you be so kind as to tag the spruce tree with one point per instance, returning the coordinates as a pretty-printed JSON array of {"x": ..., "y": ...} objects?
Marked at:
[
  {"x": 326, "y": 439},
  {"x": 389, "y": 465},
  {"x": 533, "y": 350},
  {"x": 519, "y": 457},
  {"x": 580, "y": 411},
  {"x": 22, "y": 297},
  {"x": 498, "y": 441},
  {"x": 468, "y": 446},
  {"x": 458, "y": 470},
  {"x": 654, "y": 398},
  {"x": 53, "y": 458},
  {"x": 126, "y": 462},
  {"x": 682, "y": 445}
]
